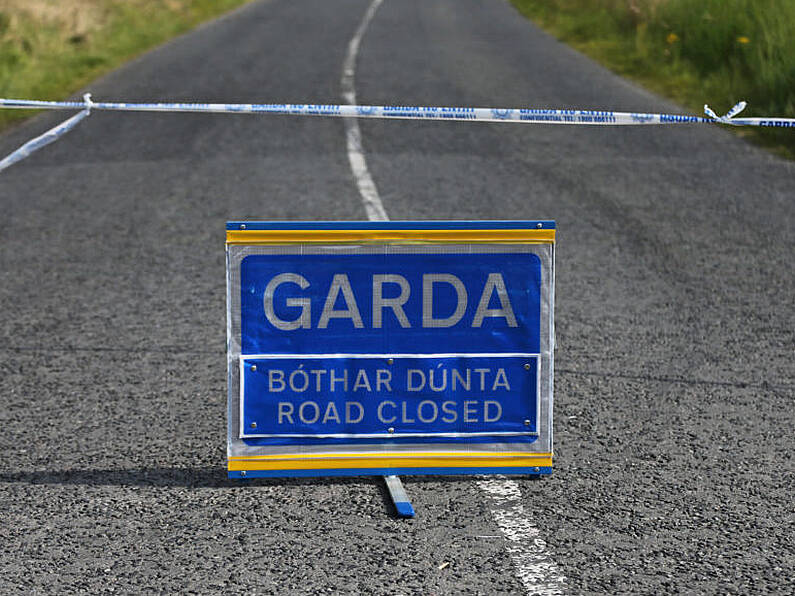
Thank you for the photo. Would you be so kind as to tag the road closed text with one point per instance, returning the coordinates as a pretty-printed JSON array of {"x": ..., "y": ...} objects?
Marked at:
[
  {"x": 389, "y": 411},
  {"x": 382, "y": 394}
]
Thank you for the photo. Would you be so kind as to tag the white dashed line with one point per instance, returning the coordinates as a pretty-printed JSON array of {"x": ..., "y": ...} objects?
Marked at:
[{"x": 534, "y": 565}]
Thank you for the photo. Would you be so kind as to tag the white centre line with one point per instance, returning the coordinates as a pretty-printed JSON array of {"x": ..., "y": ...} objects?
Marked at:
[
  {"x": 367, "y": 189},
  {"x": 534, "y": 565},
  {"x": 531, "y": 557}
]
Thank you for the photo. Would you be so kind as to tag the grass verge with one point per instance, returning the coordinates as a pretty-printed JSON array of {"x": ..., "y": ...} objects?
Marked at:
[
  {"x": 712, "y": 51},
  {"x": 51, "y": 48}
]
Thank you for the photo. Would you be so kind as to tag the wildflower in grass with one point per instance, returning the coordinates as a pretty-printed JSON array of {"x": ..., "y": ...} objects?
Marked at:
[
  {"x": 743, "y": 40},
  {"x": 672, "y": 38}
]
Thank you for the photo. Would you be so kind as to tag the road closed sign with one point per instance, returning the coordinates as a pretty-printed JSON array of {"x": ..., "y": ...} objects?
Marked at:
[{"x": 389, "y": 347}]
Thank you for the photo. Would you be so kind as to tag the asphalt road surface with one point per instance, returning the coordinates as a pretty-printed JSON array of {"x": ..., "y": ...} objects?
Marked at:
[{"x": 674, "y": 387}]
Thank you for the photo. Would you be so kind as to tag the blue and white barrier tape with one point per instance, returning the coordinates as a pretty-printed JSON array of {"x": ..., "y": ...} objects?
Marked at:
[
  {"x": 526, "y": 115},
  {"x": 42, "y": 140}
]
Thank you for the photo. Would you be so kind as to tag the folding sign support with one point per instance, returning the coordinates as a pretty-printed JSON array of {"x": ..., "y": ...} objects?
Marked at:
[
  {"x": 389, "y": 348},
  {"x": 399, "y": 497}
]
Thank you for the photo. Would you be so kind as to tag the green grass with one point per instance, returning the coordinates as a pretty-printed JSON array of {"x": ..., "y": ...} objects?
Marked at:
[
  {"x": 51, "y": 48},
  {"x": 708, "y": 51}
]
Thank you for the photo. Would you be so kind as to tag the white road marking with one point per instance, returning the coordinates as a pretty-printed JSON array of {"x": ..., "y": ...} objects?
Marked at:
[
  {"x": 367, "y": 189},
  {"x": 530, "y": 555},
  {"x": 534, "y": 565}
]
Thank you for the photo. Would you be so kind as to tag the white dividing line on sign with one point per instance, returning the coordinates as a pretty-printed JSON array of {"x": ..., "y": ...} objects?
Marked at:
[
  {"x": 534, "y": 565},
  {"x": 367, "y": 189}
]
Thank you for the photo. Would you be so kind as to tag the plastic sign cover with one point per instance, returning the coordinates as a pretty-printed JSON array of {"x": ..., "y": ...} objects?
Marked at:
[{"x": 389, "y": 347}]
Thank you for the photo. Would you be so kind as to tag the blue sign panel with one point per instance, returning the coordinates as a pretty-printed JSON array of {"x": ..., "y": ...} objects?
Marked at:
[
  {"x": 470, "y": 398},
  {"x": 396, "y": 303}
]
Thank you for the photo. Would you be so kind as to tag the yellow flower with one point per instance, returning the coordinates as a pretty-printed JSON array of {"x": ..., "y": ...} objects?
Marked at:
[
  {"x": 672, "y": 38},
  {"x": 743, "y": 39}
]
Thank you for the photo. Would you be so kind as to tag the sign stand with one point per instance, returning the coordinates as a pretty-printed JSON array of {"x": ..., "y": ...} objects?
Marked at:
[
  {"x": 389, "y": 348},
  {"x": 399, "y": 496}
]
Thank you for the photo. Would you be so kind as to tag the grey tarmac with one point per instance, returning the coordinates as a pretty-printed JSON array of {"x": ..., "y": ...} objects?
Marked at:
[{"x": 675, "y": 319}]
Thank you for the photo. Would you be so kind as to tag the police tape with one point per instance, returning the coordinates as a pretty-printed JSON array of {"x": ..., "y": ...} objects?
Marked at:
[
  {"x": 454, "y": 114},
  {"x": 42, "y": 140},
  {"x": 526, "y": 115}
]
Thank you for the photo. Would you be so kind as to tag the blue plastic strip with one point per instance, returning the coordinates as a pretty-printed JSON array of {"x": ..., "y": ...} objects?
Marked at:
[
  {"x": 393, "y": 225},
  {"x": 239, "y": 475},
  {"x": 404, "y": 509}
]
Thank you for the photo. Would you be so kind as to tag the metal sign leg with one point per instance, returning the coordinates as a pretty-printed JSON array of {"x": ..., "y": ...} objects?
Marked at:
[{"x": 399, "y": 496}]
